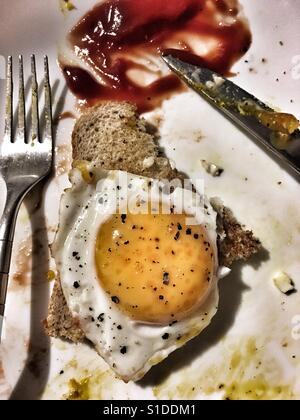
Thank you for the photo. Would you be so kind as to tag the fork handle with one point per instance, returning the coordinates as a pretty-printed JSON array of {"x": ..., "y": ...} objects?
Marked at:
[
  {"x": 7, "y": 230},
  {"x": 5, "y": 257}
]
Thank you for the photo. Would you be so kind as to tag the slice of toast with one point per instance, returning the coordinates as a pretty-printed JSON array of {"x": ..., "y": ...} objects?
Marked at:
[{"x": 112, "y": 136}]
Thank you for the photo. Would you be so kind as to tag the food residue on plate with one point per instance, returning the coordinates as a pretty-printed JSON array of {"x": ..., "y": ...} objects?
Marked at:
[
  {"x": 211, "y": 168},
  {"x": 245, "y": 372},
  {"x": 21, "y": 276},
  {"x": 66, "y": 5},
  {"x": 79, "y": 390},
  {"x": 63, "y": 161},
  {"x": 121, "y": 41},
  {"x": 284, "y": 283},
  {"x": 50, "y": 275},
  {"x": 30, "y": 254},
  {"x": 91, "y": 385},
  {"x": 64, "y": 116}
]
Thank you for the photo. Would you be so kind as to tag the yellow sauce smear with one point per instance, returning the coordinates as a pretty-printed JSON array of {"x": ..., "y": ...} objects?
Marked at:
[
  {"x": 83, "y": 167},
  {"x": 154, "y": 267},
  {"x": 243, "y": 374},
  {"x": 79, "y": 390},
  {"x": 66, "y": 5},
  {"x": 50, "y": 275},
  {"x": 276, "y": 121},
  {"x": 92, "y": 384},
  {"x": 281, "y": 124}
]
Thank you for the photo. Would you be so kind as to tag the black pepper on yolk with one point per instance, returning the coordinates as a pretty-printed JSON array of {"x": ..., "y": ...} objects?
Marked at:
[{"x": 154, "y": 267}]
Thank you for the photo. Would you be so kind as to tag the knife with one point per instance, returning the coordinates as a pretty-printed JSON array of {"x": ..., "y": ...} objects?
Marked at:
[{"x": 277, "y": 132}]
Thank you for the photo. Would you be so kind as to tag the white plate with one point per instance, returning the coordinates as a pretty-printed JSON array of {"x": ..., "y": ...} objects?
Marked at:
[{"x": 252, "y": 345}]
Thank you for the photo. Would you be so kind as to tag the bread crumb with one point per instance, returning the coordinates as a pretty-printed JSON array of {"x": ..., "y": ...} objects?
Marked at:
[
  {"x": 148, "y": 162},
  {"x": 211, "y": 168},
  {"x": 284, "y": 283}
]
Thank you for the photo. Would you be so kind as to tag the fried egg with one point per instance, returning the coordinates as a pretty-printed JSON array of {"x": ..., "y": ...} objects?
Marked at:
[{"x": 138, "y": 265}]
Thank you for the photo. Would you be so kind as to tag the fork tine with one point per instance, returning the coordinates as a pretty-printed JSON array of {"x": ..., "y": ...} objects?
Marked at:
[
  {"x": 21, "y": 106},
  {"x": 34, "y": 105},
  {"x": 9, "y": 102},
  {"x": 48, "y": 105}
]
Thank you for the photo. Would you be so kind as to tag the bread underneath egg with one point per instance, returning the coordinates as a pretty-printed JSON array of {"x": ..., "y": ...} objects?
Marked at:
[{"x": 112, "y": 136}]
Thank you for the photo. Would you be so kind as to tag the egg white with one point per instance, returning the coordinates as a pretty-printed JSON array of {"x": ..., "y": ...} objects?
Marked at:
[{"x": 133, "y": 349}]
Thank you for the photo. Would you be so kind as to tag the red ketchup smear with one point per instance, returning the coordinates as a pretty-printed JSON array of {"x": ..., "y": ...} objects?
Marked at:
[{"x": 116, "y": 30}]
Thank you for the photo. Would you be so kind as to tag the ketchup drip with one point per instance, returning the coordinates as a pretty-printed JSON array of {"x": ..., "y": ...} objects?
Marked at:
[{"x": 113, "y": 33}]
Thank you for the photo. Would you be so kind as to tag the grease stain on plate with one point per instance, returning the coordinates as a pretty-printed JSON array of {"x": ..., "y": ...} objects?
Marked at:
[
  {"x": 89, "y": 387},
  {"x": 84, "y": 381},
  {"x": 4, "y": 387},
  {"x": 80, "y": 374},
  {"x": 245, "y": 371},
  {"x": 27, "y": 256},
  {"x": 63, "y": 161},
  {"x": 66, "y": 6},
  {"x": 22, "y": 274}
]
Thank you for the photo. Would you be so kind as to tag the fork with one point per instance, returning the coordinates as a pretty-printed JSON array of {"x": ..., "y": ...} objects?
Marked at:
[{"x": 24, "y": 160}]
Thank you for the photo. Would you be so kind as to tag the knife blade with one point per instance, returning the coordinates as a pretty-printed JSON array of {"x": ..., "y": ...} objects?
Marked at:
[
  {"x": 1, "y": 326},
  {"x": 277, "y": 132}
]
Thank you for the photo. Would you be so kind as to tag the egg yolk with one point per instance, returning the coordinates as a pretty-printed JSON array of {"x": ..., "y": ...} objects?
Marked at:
[{"x": 154, "y": 267}]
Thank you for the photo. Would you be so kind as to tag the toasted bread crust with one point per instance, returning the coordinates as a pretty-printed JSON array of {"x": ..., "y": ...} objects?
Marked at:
[
  {"x": 113, "y": 137},
  {"x": 60, "y": 322},
  {"x": 234, "y": 242}
]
